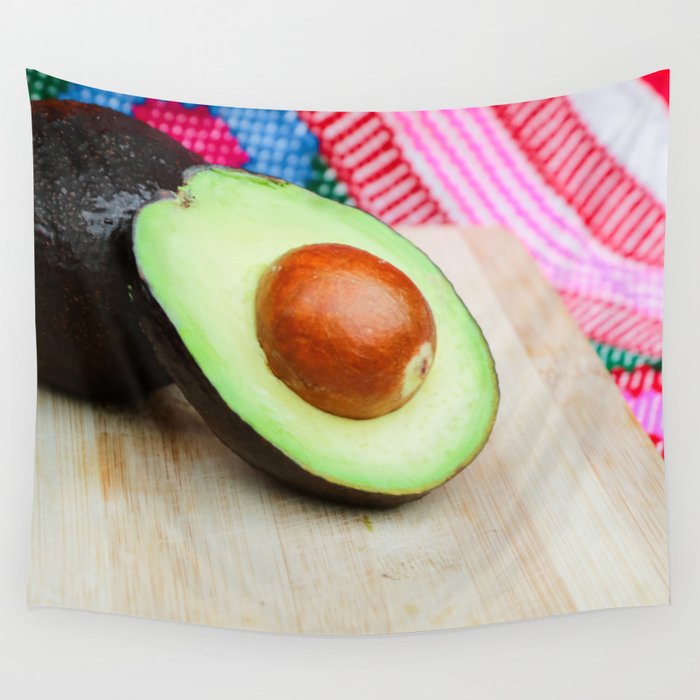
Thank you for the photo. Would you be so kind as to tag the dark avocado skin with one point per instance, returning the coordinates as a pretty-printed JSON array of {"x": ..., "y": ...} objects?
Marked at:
[
  {"x": 225, "y": 423},
  {"x": 93, "y": 169}
]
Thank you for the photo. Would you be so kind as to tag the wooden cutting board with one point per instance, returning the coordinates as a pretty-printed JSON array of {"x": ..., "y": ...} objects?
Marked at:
[{"x": 146, "y": 513}]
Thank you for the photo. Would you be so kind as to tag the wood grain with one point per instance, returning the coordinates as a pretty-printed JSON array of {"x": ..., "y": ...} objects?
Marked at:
[{"x": 146, "y": 513}]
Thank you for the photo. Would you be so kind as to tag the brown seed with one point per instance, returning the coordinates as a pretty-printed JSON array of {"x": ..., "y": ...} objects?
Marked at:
[{"x": 347, "y": 331}]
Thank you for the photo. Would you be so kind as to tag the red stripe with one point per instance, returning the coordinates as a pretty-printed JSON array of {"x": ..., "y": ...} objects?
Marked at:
[
  {"x": 586, "y": 175},
  {"x": 616, "y": 325},
  {"x": 335, "y": 134},
  {"x": 327, "y": 118},
  {"x": 660, "y": 81},
  {"x": 641, "y": 379},
  {"x": 396, "y": 201},
  {"x": 388, "y": 186},
  {"x": 658, "y": 443},
  {"x": 620, "y": 232}
]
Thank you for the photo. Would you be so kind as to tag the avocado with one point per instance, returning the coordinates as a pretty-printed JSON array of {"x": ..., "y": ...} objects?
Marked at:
[
  {"x": 93, "y": 168},
  {"x": 202, "y": 259}
]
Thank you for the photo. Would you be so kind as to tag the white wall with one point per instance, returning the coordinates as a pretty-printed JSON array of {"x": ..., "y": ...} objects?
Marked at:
[{"x": 359, "y": 55}]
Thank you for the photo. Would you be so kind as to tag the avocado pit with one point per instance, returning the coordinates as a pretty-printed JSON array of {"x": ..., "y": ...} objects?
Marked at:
[{"x": 345, "y": 330}]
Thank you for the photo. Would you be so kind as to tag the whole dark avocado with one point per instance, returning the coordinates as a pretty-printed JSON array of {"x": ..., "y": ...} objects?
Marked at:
[{"x": 93, "y": 168}]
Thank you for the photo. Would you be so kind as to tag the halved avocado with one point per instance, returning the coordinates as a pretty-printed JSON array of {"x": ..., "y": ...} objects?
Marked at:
[{"x": 199, "y": 257}]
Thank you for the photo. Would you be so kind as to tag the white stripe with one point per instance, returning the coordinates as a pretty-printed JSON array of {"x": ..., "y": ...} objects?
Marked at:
[
  {"x": 538, "y": 123},
  {"x": 656, "y": 416},
  {"x": 371, "y": 189},
  {"x": 615, "y": 325},
  {"x": 635, "y": 380},
  {"x": 655, "y": 233},
  {"x": 556, "y": 141},
  {"x": 581, "y": 180},
  {"x": 564, "y": 151},
  {"x": 421, "y": 167},
  {"x": 648, "y": 341},
  {"x": 658, "y": 249},
  {"x": 643, "y": 339},
  {"x": 422, "y": 211},
  {"x": 631, "y": 121},
  {"x": 361, "y": 174},
  {"x": 542, "y": 139},
  {"x": 648, "y": 380},
  {"x": 605, "y": 188},
  {"x": 340, "y": 125},
  {"x": 622, "y": 210},
  {"x": 518, "y": 113},
  {"x": 357, "y": 137},
  {"x": 627, "y": 232},
  {"x": 404, "y": 207},
  {"x": 623, "y": 380},
  {"x": 318, "y": 117},
  {"x": 589, "y": 314},
  {"x": 613, "y": 200},
  {"x": 400, "y": 188},
  {"x": 351, "y": 160},
  {"x": 375, "y": 140},
  {"x": 642, "y": 411},
  {"x": 640, "y": 335},
  {"x": 575, "y": 160},
  {"x": 594, "y": 180}
]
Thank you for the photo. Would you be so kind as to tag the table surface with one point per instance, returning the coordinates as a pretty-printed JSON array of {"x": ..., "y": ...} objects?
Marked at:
[{"x": 147, "y": 513}]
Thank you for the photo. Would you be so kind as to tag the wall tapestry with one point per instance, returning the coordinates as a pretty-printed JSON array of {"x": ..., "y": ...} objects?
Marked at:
[{"x": 349, "y": 372}]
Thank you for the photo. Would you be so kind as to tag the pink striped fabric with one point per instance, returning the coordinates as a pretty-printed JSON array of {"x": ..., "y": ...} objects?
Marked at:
[
  {"x": 540, "y": 170},
  {"x": 647, "y": 408},
  {"x": 613, "y": 205},
  {"x": 472, "y": 147},
  {"x": 615, "y": 325},
  {"x": 642, "y": 379},
  {"x": 361, "y": 149}
]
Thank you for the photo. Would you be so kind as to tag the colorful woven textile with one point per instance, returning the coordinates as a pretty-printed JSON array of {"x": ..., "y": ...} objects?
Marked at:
[{"x": 580, "y": 180}]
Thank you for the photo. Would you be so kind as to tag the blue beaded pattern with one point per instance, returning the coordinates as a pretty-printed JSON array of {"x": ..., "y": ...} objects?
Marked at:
[{"x": 278, "y": 142}]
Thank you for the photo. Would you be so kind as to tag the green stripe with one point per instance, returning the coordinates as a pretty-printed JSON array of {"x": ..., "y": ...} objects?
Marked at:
[
  {"x": 42, "y": 86},
  {"x": 323, "y": 181},
  {"x": 617, "y": 357}
]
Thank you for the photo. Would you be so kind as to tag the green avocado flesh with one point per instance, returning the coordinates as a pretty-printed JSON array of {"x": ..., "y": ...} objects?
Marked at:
[{"x": 202, "y": 254}]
